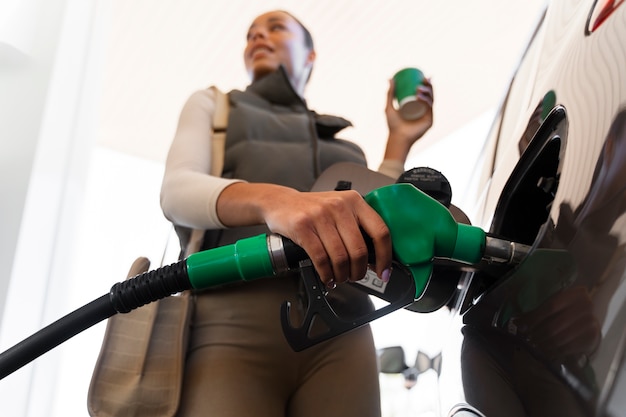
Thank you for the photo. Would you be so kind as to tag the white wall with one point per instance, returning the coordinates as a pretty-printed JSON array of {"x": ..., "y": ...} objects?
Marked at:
[
  {"x": 48, "y": 61},
  {"x": 26, "y": 61}
]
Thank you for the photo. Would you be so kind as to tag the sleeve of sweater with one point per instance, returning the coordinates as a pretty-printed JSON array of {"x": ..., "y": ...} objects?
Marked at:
[
  {"x": 391, "y": 168},
  {"x": 188, "y": 193}
]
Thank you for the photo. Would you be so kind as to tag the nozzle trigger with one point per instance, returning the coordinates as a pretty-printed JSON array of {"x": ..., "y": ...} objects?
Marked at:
[{"x": 320, "y": 321}]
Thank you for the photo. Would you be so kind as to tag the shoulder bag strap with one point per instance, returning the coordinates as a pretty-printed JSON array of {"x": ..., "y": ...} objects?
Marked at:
[
  {"x": 220, "y": 123},
  {"x": 218, "y": 141}
]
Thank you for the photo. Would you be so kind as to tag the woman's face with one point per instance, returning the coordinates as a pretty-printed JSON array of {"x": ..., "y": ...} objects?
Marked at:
[{"x": 276, "y": 38}]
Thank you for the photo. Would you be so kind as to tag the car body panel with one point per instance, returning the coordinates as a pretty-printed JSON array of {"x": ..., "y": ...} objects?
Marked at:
[{"x": 548, "y": 337}]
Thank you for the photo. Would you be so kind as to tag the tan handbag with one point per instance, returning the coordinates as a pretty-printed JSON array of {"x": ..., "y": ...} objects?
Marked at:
[
  {"x": 141, "y": 362},
  {"x": 139, "y": 371}
]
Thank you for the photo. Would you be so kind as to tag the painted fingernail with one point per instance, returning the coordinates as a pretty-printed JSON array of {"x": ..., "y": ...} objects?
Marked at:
[
  {"x": 331, "y": 285},
  {"x": 386, "y": 275}
]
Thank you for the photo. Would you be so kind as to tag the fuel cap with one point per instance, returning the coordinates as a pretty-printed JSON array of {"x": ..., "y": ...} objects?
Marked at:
[{"x": 430, "y": 181}]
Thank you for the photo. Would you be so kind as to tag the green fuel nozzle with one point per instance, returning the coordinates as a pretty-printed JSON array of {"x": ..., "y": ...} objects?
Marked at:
[{"x": 422, "y": 229}]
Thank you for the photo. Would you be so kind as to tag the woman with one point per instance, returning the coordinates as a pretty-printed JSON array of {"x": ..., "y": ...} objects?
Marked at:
[{"x": 239, "y": 362}]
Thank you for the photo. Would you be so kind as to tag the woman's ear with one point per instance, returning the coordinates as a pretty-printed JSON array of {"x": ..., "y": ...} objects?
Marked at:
[{"x": 311, "y": 57}]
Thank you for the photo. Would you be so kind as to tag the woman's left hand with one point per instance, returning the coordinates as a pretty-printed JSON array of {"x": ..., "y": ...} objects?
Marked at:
[{"x": 404, "y": 133}]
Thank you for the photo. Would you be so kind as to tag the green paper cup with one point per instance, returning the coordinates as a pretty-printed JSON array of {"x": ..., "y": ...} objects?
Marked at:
[{"x": 406, "y": 82}]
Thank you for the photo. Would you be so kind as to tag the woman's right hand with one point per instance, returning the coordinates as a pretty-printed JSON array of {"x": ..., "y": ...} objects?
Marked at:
[{"x": 327, "y": 225}]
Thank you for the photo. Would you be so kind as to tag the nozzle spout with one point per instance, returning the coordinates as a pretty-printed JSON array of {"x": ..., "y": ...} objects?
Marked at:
[{"x": 504, "y": 251}]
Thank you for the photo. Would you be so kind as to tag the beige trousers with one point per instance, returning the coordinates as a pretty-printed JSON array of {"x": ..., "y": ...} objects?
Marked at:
[{"x": 240, "y": 365}]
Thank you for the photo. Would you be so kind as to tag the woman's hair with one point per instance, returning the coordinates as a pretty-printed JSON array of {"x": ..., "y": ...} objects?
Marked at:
[{"x": 308, "y": 38}]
